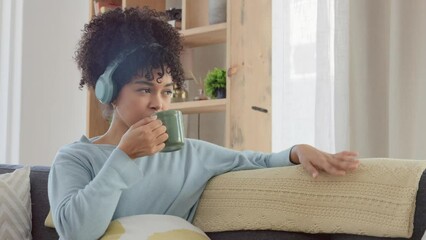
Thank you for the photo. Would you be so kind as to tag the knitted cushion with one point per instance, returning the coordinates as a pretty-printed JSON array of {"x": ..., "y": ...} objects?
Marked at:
[{"x": 378, "y": 199}]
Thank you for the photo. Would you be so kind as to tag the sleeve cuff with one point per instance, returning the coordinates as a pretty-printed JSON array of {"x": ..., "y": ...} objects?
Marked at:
[{"x": 281, "y": 159}]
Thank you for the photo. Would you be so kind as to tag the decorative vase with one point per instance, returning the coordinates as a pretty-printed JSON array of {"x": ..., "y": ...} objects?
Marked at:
[
  {"x": 221, "y": 93},
  {"x": 217, "y": 11},
  {"x": 179, "y": 94},
  {"x": 201, "y": 95}
]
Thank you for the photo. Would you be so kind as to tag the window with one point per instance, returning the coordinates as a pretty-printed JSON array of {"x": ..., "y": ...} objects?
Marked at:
[{"x": 303, "y": 75}]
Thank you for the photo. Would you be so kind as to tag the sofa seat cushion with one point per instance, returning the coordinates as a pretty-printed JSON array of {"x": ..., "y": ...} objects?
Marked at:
[{"x": 266, "y": 235}]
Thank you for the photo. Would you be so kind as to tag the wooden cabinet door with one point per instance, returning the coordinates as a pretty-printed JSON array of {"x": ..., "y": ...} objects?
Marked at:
[{"x": 249, "y": 75}]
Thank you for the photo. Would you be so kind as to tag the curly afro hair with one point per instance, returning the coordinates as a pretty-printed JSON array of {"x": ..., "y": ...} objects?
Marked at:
[{"x": 112, "y": 33}]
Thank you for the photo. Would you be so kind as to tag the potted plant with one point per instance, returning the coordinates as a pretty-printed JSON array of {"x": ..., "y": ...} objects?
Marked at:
[{"x": 215, "y": 83}]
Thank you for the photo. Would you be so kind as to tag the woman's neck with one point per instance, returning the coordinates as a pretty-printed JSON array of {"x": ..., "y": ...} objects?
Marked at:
[{"x": 115, "y": 131}]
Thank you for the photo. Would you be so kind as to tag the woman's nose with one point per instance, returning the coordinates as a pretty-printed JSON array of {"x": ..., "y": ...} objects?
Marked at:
[{"x": 156, "y": 102}]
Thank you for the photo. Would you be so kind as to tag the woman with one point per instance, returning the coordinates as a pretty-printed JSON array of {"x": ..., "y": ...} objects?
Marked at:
[{"x": 131, "y": 58}]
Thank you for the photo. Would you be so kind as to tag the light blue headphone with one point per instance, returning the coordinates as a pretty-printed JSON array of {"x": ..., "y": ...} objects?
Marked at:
[{"x": 105, "y": 89}]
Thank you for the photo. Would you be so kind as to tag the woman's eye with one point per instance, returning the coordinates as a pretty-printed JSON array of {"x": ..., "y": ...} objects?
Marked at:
[
  {"x": 144, "y": 90},
  {"x": 168, "y": 92}
]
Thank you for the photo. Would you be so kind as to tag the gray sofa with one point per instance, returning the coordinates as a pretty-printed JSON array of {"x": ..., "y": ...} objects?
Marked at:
[{"x": 40, "y": 209}]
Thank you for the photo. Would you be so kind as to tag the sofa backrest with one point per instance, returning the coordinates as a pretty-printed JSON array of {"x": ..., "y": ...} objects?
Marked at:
[
  {"x": 39, "y": 200},
  {"x": 40, "y": 209}
]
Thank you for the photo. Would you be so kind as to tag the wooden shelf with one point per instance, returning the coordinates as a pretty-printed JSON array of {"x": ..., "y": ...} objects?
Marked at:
[
  {"x": 202, "y": 36},
  {"x": 204, "y": 106}
]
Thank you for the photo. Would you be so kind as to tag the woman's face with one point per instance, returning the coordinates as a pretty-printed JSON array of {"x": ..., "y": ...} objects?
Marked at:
[{"x": 141, "y": 98}]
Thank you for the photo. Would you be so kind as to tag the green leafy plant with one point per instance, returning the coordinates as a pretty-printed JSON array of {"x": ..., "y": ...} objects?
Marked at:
[{"x": 215, "y": 79}]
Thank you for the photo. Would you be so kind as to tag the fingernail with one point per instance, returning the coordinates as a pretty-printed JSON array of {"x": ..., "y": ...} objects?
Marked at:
[
  {"x": 153, "y": 117},
  {"x": 314, "y": 175}
]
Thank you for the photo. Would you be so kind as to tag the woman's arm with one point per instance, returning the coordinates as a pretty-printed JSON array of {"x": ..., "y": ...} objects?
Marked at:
[
  {"x": 221, "y": 160},
  {"x": 83, "y": 204},
  {"x": 218, "y": 160}
]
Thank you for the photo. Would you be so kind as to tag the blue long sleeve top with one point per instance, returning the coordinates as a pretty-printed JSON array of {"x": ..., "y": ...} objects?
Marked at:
[{"x": 93, "y": 184}]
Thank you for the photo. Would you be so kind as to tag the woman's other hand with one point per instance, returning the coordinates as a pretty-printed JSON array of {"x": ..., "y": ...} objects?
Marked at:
[
  {"x": 315, "y": 161},
  {"x": 144, "y": 138}
]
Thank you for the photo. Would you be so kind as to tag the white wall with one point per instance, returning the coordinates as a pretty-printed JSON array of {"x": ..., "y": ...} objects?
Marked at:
[{"x": 53, "y": 109}]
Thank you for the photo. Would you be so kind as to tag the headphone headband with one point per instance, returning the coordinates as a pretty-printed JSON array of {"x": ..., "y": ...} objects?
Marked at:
[{"x": 105, "y": 89}]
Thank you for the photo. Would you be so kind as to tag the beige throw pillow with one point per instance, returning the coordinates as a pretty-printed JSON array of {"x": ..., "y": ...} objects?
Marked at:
[
  {"x": 48, "y": 222},
  {"x": 15, "y": 205}
]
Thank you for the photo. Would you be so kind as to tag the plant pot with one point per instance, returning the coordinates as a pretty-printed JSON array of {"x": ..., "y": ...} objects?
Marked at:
[
  {"x": 217, "y": 11},
  {"x": 220, "y": 93}
]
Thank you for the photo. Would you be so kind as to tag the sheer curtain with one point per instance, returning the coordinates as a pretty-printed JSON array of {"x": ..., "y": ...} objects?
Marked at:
[
  {"x": 303, "y": 73},
  {"x": 350, "y": 75},
  {"x": 381, "y": 70},
  {"x": 10, "y": 78}
]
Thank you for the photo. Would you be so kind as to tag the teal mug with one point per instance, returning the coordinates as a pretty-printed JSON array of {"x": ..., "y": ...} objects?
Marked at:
[{"x": 173, "y": 121}]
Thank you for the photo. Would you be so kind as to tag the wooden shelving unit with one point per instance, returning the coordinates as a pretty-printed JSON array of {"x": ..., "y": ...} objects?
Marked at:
[
  {"x": 196, "y": 32},
  {"x": 247, "y": 35},
  {"x": 204, "y": 106},
  {"x": 203, "y": 36}
]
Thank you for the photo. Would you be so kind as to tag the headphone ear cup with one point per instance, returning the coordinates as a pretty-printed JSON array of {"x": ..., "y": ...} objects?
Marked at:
[{"x": 105, "y": 90}]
